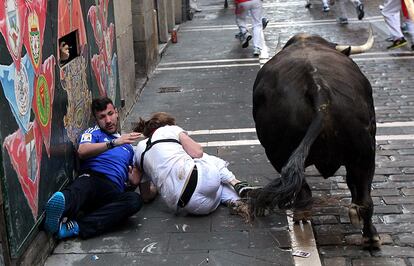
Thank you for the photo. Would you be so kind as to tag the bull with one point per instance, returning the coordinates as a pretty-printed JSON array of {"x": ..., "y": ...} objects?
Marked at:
[{"x": 312, "y": 105}]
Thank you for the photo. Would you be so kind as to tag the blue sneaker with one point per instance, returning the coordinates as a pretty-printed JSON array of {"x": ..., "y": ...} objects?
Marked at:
[
  {"x": 54, "y": 210},
  {"x": 68, "y": 229}
]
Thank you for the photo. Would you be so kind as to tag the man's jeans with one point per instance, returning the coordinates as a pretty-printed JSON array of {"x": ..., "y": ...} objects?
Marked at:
[{"x": 101, "y": 203}]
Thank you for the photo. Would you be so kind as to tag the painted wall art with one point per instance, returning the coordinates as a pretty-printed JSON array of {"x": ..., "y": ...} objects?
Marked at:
[{"x": 46, "y": 104}]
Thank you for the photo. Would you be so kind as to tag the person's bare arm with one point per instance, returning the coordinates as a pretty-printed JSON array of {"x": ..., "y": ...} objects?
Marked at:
[
  {"x": 87, "y": 150},
  {"x": 135, "y": 176},
  {"x": 190, "y": 146},
  {"x": 148, "y": 191}
]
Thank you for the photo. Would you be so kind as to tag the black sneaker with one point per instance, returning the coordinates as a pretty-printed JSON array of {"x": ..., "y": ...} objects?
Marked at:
[
  {"x": 342, "y": 21},
  {"x": 245, "y": 39},
  {"x": 398, "y": 43},
  {"x": 243, "y": 188},
  {"x": 264, "y": 22},
  {"x": 360, "y": 11}
]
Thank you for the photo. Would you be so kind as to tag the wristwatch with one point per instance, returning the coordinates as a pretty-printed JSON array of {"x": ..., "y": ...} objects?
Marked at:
[{"x": 111, "y": 144}]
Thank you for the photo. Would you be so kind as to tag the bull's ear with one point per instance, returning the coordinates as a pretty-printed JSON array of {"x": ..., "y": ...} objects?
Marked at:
[{"x": 347, "y": 51}]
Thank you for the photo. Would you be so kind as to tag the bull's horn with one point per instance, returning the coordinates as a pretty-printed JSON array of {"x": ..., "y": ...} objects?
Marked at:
[
  {"x": 278, "y": 46},
  {"x": 357, "y": 49}
]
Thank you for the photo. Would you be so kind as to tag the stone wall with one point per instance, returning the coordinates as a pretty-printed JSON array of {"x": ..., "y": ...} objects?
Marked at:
[
  {"x": 126, "y": 55},
  {"x": 145, "y": 36}
]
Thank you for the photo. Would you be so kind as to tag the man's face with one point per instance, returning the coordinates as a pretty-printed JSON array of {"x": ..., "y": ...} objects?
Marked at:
[{"x": 108, "y": 119}]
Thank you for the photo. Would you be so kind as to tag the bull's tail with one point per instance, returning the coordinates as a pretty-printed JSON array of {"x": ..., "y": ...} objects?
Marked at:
[
  {"x": 282, "y": 192},
  {"x": 293, "y": 172}
]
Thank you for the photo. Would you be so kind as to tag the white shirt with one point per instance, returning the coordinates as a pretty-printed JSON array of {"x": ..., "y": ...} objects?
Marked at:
[{"x": 166, "y": 164}]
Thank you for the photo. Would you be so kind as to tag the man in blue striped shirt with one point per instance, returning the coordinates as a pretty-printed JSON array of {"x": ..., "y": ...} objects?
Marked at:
[{"x": 97, "y": 199}]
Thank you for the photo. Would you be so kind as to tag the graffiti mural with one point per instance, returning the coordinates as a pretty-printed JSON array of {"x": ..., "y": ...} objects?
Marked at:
[
  {"x": 25, "y": 152},
  {"x": 103, "y": 64},
  {"x": 18, "y": 89},
  {"x": 46, "y": 104},
  {"x": 74, "y": 74},
  {"x": 12, "y": 14},
  {"x": 74, "y": 82},
  {"x": 35, "y": 27},
  {"x": 44, "y": 92},
  {"x": 70, "y": 18}
]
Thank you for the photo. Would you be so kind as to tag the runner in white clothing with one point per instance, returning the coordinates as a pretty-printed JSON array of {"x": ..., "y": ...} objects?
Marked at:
[
  {"x": 187, "y": 179},
  {"x": 359, "y": 7},
  {"x": 254, "y": 8}
]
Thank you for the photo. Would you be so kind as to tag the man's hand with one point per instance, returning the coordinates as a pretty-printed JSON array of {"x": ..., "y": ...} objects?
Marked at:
[{"x": 128, "y": 138}]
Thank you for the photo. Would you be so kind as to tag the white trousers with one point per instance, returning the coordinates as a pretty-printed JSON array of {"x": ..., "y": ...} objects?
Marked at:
[
  {"x": 342, "y": 6},
  {"x": 254, "y": 8},
  {"x": 392, "y": 17},
  {"x": 193, "y": 4},
  {"x": 213, "y": 186}
]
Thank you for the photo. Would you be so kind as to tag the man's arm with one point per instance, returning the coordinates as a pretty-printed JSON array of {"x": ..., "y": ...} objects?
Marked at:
[
  {"x": 88, "y": 149},
  {"x": 190, "y": 146}
]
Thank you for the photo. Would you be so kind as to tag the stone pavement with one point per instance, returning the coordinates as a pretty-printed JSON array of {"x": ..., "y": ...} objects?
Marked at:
[{"x": 206, "y": 80}]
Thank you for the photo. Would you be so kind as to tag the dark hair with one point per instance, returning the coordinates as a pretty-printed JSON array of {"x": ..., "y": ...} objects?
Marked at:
[
  {"x": 157, "y": 120},
  {"x": 100, "y": 104}
]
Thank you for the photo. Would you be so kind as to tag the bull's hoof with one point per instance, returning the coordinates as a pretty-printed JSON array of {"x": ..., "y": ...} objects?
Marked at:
[
  {"x": 373, "y": 243},
  {"x": 354, "y": 216},
  {"x": 241, "y": 208},
  {"x": 302, "y": 215}
]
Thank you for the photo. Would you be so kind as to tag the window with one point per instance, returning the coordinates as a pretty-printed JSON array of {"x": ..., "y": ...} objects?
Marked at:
[{"x": 68, "y": 48}]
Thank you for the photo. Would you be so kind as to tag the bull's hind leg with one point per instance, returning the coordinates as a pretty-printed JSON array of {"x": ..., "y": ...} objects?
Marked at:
[
  {"x": 359, "y": 179},
  {"x": 302, "y": 207}
]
